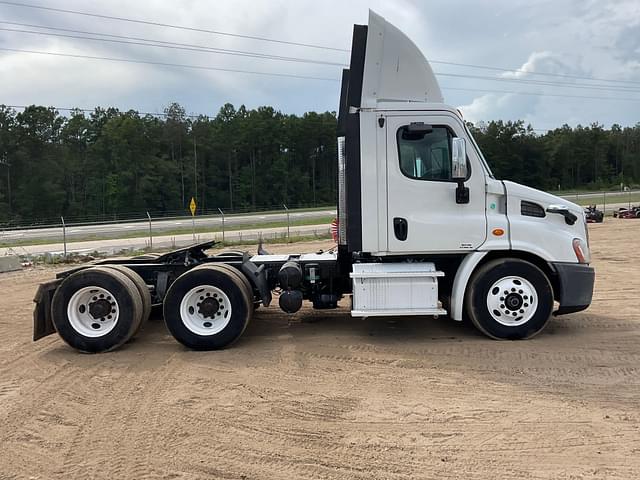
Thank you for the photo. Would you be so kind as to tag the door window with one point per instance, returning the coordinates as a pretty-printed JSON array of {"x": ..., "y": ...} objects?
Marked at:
[{"x": 425, "y": 156}]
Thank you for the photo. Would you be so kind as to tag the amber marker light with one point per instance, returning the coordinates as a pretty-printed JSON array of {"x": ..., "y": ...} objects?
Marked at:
[{"x": 498, "y": 232}]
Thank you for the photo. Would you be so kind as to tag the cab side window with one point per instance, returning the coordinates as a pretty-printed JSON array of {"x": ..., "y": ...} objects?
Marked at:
[{"x": 425, "y": 156}]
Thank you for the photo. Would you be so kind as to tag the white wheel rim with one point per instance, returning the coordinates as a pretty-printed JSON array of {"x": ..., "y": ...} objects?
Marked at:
[
  {"x": 205, "y": 310},
  {"x": 93, "y": 311},
  {"x": 512, "y": 301}
]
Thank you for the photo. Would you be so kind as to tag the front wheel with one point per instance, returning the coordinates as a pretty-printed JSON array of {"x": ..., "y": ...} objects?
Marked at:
[{"x": 509, "y": 299}]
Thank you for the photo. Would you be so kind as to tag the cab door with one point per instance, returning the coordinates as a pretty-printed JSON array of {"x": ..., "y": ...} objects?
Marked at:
[{"x": 422, "y": 213}]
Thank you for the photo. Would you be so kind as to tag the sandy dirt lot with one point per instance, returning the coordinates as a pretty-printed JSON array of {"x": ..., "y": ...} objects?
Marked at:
[{"x": 322, "y": 395}]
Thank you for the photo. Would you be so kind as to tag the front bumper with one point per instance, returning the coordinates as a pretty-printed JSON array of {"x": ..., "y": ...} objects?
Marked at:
[{"x": 575, "y": 282}]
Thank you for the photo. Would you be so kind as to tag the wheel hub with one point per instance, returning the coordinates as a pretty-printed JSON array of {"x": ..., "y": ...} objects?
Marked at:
[
  {"x": 512, "y": 301},
  {"x": 205, "y": 310},
  {"x": 93, "y": 311},
  {"x": 100, "y": 309},
  {"x": 209, "y": 307}
]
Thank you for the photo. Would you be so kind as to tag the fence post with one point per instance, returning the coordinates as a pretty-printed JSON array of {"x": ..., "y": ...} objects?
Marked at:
[
  {"x": 604, "y": 205},
  {"x": 288, "y": 224},
  {"x": 222, "y": 213},
  {"x": 64, "y": 237},
  {"x": 150, "y": 233}
]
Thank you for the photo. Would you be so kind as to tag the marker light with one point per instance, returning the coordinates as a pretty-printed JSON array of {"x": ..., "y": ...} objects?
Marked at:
[{"x": 582, "y": 253}]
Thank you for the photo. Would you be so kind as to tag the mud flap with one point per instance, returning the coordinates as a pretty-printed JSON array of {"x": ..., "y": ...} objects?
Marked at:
[
  {"x": 257, "y": 276},
  {"x": 42, "y": 321}
]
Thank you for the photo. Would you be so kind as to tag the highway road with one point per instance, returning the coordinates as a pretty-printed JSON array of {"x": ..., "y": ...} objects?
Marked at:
[
  {"x": 116, "y": 246},
  {"x": 159, "y": 226}
]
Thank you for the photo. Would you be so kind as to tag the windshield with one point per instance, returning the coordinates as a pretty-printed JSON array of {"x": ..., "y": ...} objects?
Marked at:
[{"x": 479, "y": 152}]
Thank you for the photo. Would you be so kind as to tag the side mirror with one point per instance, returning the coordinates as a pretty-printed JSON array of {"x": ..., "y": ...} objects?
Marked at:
[
  {"x": 458, "y": 159},
  {"x": 563, "y": 210},
  {"x": 459, "y": 168}
]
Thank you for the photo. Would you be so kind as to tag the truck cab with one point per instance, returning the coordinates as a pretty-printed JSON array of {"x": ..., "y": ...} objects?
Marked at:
[
  {"x": 424, "y": 229},
  {"x": 415, "y": 186}
]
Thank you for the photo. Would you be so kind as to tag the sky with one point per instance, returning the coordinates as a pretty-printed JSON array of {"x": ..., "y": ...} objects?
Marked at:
[{"x": 587, "y": 39}]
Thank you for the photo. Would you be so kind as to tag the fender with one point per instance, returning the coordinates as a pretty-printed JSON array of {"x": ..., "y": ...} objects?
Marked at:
[{"x": 468, "y": 265}]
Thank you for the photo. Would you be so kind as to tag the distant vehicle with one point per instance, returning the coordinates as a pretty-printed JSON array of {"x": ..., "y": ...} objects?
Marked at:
[
  {"x": 633, "y": 212},
  {"x": 424, "y": 228},
  {"x": 593, "y": 215}
]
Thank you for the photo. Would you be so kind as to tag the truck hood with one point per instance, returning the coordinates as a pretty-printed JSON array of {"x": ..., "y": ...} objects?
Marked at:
[
  {"x": 543, "y": 198},
  {"x": 548, "y": 235}
]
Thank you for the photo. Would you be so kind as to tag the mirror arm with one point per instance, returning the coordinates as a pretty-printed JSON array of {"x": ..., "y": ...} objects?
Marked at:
[
  {"x": 569, "y": 217},
  {"x": 462, "y": 192}
]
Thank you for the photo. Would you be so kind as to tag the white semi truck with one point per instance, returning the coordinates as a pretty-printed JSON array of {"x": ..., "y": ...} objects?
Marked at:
[{"x": 424, "y": 229}]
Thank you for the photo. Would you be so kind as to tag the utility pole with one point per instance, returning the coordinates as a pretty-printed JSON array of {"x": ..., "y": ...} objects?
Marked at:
[{"x": 5, "y": 162}]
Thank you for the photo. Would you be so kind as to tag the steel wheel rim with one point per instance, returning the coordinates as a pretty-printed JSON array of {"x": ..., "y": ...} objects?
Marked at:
[
  {"x": 93, "y": 311},
  {"x": 205, "y": 310},
  {"x": 512, "y": 301}
]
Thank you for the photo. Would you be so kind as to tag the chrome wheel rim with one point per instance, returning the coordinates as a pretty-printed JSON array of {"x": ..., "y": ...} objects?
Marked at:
[
  {"x": 93, "y": 311},
  {"x": 205, "y": 310},
  {"x": 512, "y": 301}
]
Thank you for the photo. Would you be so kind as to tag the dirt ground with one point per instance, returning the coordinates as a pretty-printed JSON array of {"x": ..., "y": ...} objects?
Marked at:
[{"x": 322, "y": 395}]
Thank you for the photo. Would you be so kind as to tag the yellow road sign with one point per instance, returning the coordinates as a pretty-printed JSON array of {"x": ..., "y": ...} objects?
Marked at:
[{"x": 192, "y": 206}]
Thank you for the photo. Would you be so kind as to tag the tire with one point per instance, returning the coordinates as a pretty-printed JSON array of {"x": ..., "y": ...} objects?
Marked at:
[
  {"x": 522, "y": 312},
  {"x": 245, "y": 281},
  {"x": 202, "y": 324},
  {"x": 85, "y": 295},
  {"x": 142, "y": 288}
]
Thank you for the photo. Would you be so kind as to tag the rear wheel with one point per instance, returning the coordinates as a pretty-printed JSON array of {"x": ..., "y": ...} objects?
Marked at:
[
  {"x": 142, "y": 288},
  {"x": 96, "y": 309},
  {"x": 207, "y": 308},
  {"x": 509, "y": 299}
]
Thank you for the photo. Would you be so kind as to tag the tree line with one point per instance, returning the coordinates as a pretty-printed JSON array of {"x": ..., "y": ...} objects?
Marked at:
[{"x": 110, "y": 164}]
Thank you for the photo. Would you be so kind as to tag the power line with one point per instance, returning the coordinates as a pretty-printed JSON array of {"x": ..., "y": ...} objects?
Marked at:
[
  {"x": 167, "y": 64},
  {"x": 197, "y": 117},
  {"x": 169, "y": 25},
  {"x": 162, "y": 44},
  {"x": 521, "y": 70},
  {"x": 324, "y": 47},
  {"x": 204, "y": 49},
  {"x": 89, "y": 110},
  {"x": 542, "y": 83},
  {"x": 201, "y": 67},
  {"x": 588, "y": 97}
]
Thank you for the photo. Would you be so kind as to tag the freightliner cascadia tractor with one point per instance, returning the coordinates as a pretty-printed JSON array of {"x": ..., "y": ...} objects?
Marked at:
[{"x": 424, "y": 229}]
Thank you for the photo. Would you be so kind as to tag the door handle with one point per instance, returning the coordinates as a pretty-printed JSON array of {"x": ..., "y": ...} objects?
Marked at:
[{"x": 400, "y": 228}]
